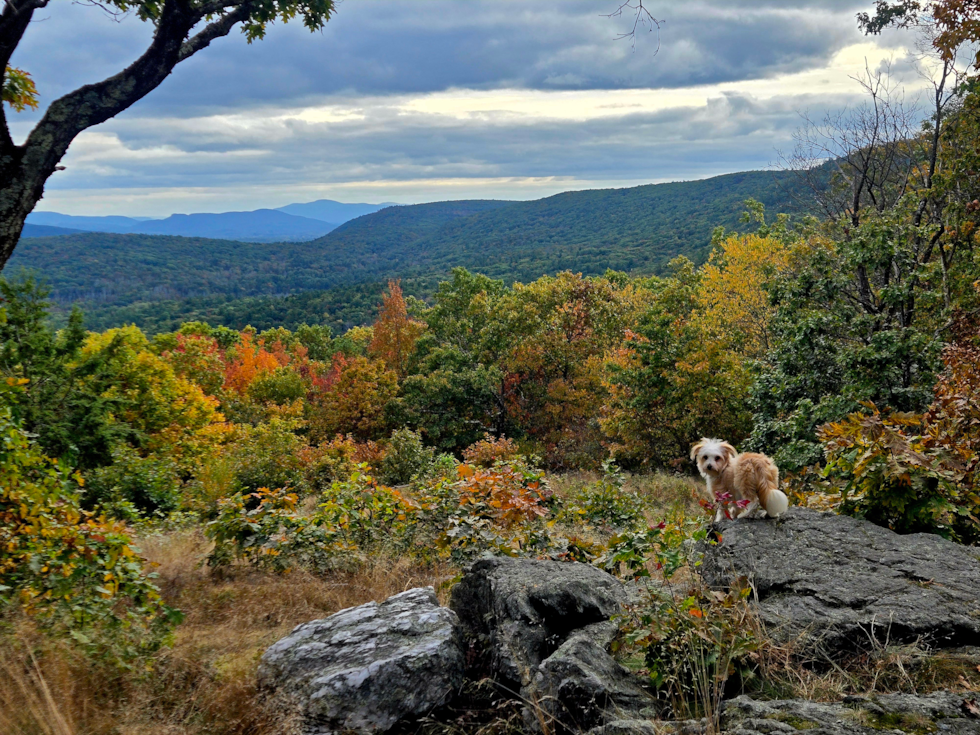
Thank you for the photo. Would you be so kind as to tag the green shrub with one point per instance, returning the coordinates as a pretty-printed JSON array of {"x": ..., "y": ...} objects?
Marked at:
[
  {"x": 694, "y": 642},
  {"x": 71, "y": 571},
  {"x": 267, "y": 529},
  {"x": 692, "y": 638},
  {"x": 365, "y": 514},
  {"x": 912, "y": 472},
  {"x": 607, "y": 503},
  {"x": 405, "y": 457},
  {"x": 134, "y": 487},
  {"x": 268, "y": 456}
]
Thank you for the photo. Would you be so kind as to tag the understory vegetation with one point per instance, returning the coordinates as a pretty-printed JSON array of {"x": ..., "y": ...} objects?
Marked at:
[{"x": 171, "y": 504}]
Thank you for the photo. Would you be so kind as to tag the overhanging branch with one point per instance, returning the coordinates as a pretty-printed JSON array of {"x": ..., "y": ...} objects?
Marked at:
[{"x": 215, "y": 29}]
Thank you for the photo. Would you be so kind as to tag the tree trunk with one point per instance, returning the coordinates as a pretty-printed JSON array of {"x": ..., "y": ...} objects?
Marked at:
[
  {"x": 17, "y": 198},
  {"x": 24, "y": 169}
]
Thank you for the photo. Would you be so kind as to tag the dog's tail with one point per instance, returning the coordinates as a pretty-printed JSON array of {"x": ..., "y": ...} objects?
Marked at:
[
  {"x": 776, "y": 503},
  {"x": 772, "y": 498}
]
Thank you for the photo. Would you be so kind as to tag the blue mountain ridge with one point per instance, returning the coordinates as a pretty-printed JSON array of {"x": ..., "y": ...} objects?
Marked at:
[{"x": 293, "y": 223}]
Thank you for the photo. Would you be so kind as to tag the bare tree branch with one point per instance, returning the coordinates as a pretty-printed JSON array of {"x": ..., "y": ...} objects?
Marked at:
[{"x": 642, "y": 18}]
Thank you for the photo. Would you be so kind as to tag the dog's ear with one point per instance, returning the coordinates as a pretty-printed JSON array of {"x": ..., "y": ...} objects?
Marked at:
[
  {"x": 697, "y": 448},
  {"x": 729, "y": 450}
]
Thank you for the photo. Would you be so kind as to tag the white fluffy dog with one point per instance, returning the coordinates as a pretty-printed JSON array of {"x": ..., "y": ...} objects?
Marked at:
[{"x": 745, "y": 480}]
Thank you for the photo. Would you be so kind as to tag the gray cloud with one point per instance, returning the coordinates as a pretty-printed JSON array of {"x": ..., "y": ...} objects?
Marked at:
[
  {"x": 395, "y": 46},
  {"x": 732, "y": 132},
  {"x": 213, "y": 124}
]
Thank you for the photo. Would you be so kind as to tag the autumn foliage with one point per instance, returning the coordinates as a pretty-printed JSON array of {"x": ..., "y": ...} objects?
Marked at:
[
  {"x": 915, "y": 472},
  {"x": 394, "y": 334}
]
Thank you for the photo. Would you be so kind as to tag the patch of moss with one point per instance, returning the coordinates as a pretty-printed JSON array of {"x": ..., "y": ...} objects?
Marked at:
[
  {"x": 905, "y": 722},
  {"x": 799, "y": 723}
]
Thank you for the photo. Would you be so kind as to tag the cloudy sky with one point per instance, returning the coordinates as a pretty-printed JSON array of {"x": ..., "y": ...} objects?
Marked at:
[{"x": 423, "y": 100}]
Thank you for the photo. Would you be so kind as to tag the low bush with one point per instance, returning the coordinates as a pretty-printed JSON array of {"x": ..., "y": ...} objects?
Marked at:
[
  {"x": 268, "y": 456},
  {"x": 66, "y": 568},
  {"x": 328, "y": 462},
  {"x": 364, "y": 514},
  {"x": 489, "y": 450},
  {"x": 134, "y": 487},
  {"x": 607, "y": 503},
  {"x": 500, "y": 509},
  {"x": 270, "y": 530},
  {"x": 693, "y": 640},
  {"x": 267, "y": 529},
  {"x": 913, "y": 472},
  {"x": 405, "y": 457}
]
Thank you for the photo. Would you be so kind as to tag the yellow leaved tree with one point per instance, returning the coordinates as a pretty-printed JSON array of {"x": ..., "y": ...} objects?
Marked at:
[
  {"x": 732, "y": 304},
  {"x": 168, "y": 415}
]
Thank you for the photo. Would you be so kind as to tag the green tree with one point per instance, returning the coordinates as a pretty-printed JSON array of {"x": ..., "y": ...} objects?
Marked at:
[
  {"x": 62, "y": 404},
  {"x": 671, "y": 382},
  {"x": 181, "y": 29},
  {"x": 454, "y": 389}
]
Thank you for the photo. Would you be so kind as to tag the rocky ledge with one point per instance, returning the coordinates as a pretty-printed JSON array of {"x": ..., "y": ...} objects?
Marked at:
[
  {"x": 542, "y": 629},
  {"x": 368, "y": 667},
  {"x": 835, "y": 583}
]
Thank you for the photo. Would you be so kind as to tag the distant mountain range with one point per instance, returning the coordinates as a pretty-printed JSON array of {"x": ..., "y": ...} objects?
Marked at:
[
  {"x": 31, "y": 230},
  {"x": 157, "y": 281},
  {"x": 292, "y": 223}
]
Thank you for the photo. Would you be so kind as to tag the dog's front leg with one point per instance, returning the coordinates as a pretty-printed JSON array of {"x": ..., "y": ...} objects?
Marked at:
[
  {"x": 749, "y": 509},
  {"x": 720, "y": 513}
]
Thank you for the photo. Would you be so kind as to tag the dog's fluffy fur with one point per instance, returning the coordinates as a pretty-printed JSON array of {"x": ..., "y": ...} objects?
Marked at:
[{"x": 751, "y": 477}]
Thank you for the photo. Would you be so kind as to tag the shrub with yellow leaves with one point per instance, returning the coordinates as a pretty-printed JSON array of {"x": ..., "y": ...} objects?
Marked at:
[{"x": 65, "y": 567}]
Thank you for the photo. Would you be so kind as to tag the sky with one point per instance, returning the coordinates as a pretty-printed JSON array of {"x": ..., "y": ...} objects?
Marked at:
[{"x": 424, "y": 100}]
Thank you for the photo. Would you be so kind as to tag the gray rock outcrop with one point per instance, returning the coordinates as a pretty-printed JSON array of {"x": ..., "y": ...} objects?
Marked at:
[
  {"x": 905, "y": 713},
  {"x": 836, "y": 582},
  {"x": 580, "y": 686},
  {"x": 543, "y": 628},
  {"x": 514, "y": 613},
  {"x": 368, "y": 667}
]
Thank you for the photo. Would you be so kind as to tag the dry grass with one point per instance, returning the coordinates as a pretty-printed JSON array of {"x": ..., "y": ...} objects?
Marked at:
[
  {"x": 666, "y": 495},
  {"x": 910, "y": 668},
  {"x": 205, "y": 683},
  {"x": 28, "y": 704}
]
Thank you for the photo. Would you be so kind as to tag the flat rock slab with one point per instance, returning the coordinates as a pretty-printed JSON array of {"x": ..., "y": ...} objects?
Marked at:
[
  {"x": 942, "y": 712},
  {"x": 835, "y": 582},
  {"x": 366, "y": 668},
  {"x": 515, "y": 613}
]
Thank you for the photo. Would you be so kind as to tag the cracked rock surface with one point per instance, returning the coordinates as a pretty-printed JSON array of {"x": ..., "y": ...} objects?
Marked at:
[
  {"x": 365, "y": 668},
  {"x": 836, "y": 582},
  {"x": 515, "y": 613},
  {"x": 942, "y": 712},
  {"x": 542, "y": 628}
]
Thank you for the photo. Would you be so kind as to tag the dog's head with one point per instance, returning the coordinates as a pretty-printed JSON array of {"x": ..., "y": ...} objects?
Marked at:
[{"x": 712, "y": 456}]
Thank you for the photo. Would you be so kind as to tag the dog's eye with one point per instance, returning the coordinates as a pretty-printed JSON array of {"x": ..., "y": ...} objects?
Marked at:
[{"x": 717, "y": 458}]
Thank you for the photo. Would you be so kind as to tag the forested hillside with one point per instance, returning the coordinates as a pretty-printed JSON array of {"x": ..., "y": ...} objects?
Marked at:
[
  {"x": 118, "y": 278},
  {"x": 31, "y": 230}
]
